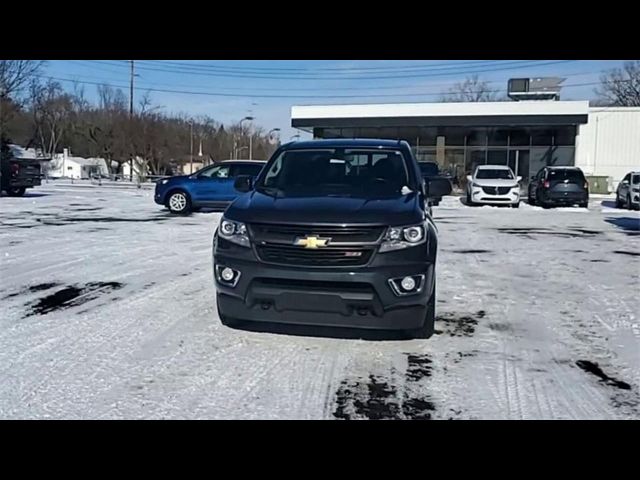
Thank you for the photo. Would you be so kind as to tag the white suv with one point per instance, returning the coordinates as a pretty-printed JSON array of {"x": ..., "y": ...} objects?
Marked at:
[
  {"x": 628, "y": 192},
  {"x": 493, "y": 184}
]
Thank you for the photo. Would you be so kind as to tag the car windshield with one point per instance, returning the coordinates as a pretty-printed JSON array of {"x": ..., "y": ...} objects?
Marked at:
[
  {"x": 494, "y": 173},
  {"x": 362, "y": 172},
  {"x": 635, "y": 179}
]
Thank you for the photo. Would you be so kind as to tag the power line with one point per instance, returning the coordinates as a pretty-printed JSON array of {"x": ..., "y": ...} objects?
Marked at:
[
  {"x": 421, "y": 75},
  {"x": 221, "y": 94},
  {"x": 348, "y": 69},
  {"x": 316, "y": 89}
]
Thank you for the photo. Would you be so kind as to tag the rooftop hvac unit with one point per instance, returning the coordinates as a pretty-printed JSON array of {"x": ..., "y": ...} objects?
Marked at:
[{"x": 546, "y": 88}]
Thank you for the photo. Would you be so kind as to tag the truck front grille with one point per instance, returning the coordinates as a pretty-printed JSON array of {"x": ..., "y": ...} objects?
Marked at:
[{"x": 320, "y": 257}]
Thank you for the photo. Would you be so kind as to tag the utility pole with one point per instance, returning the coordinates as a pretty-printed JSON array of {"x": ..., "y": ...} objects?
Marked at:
[{"x": 130, "y": 119}]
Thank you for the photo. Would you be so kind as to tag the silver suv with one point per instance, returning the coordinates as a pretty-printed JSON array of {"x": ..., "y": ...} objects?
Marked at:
[{"x": 628, "y": 192}]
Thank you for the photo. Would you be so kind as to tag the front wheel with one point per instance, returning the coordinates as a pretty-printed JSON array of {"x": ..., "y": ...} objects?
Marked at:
[
  {"x": 515, "y": 205},
  {"x": 426, "y": 331},
  {"x": 16, "y": 192},
  {"x": 629, "y": 204},
  {"x": 584, "y": 205},
  {"x": 179, "y": 203},
  {"x": 618, "y": 202},
  {"x": 469, "y": 201}
]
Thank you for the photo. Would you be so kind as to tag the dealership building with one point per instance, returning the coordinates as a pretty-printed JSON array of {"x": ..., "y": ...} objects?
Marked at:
[{"x": 526, "y": 135}]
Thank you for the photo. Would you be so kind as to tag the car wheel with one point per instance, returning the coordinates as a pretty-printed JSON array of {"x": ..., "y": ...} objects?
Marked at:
[
  {"x": 584, "y": 205},
  {"x": 515, "y": 205},
  {"x": 426, "y": 331},
  {"x": 629, "y": 204},
  {"x": 531, "y": 200},
  {"x": 618, "y": 202},
  {"x": 16, "y": 192},
  {"x": 469, "y": 201},
  {"x": 179, "y": 203}
]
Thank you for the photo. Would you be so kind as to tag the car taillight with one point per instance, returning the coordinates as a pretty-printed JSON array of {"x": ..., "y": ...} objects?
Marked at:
[
  {"x": 546, "y": 184},
  {"x": 15, "y": 168},
  {"x": 586, "y": 185}
]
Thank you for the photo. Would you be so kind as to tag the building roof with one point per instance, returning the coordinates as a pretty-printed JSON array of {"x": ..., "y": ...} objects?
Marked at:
[
  {"x": 306, "y": 117},
  {"x": 343, "y": 143}
]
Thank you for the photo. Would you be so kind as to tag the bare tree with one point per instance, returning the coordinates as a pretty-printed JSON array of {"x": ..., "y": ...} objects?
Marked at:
[
  {"x": 620, "y": 86},
  {"x": 53, "y": 114},
  {"x": 471, "y": 90},
  {"x": 15, "y": 75}
]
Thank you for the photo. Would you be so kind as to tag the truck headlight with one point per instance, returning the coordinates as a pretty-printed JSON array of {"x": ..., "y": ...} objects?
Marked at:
[
  {"x": 235, "y": 232},
  {"x": 398, "y": 238}
]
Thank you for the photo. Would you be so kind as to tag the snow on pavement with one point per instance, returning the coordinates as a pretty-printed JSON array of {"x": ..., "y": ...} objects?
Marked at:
[{"x": 108, "y": 311}]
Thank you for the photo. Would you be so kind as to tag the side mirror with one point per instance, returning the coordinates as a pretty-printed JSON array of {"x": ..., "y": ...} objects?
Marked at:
[
  {"x": 469, "y": 178},
  {"x": 243, "y": 183},
  {"x": 625, "y": 182},
  {"x": 518, "y": 179},
  {"x": 438, "y": 187}
]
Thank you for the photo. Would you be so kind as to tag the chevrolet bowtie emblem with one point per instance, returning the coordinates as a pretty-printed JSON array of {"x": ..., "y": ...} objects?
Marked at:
[{"x": 311, "y": 242}]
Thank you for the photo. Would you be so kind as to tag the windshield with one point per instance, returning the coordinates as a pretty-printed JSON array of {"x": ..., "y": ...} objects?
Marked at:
[
  {"x": 497, "y": 173},
  {"x": 337, "y": 171}
]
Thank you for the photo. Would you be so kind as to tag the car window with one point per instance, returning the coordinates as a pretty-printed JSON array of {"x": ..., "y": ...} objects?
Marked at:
[
  {"x": 428, "y": 168},
  {"x": 627, "y": 177},
  {"x": 245, "y": 169},
  {"x": 636, "y": 179},
  {"x": 562, "y": 174},
  {"x": 219, "y": 171},
  {"x": 501, "y": 174}
]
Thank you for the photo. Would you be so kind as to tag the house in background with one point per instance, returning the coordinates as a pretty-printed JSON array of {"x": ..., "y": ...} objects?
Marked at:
[{"x": 65, "y": 165}]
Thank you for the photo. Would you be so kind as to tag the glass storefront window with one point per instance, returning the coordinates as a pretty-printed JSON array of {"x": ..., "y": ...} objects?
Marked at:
[
  {"x": 519, "y": 137},
  {"x": 498, "y": 137},
  {"x": 497, "y": 157},
  {"x": 543, "y": 138},
  {"x": 564, "y": 136},
  {"x": 477, "y": 137}
]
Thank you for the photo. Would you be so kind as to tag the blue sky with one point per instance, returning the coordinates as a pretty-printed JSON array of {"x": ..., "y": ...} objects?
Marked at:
[{"x": 267, "y": 89}]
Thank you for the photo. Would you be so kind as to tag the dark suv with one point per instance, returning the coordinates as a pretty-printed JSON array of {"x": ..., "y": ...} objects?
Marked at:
[
  {"x": 554, "y": 186},
  {"x": 332, "y": 233}
]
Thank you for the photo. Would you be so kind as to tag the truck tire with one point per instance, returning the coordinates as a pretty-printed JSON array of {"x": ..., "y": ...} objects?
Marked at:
[{"x": 16, "y": 192}]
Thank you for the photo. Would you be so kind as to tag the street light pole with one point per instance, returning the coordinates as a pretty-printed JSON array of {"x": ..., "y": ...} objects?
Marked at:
[
  {"x": 191, "y": 147},
  {"x": 250, "y": 137}
]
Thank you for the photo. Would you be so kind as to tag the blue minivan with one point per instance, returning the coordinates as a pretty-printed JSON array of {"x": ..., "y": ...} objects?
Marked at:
[{"x": 210, "y": 187}]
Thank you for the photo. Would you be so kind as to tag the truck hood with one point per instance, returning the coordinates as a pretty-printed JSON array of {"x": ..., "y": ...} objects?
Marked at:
[{"x": 258, "y": 207}]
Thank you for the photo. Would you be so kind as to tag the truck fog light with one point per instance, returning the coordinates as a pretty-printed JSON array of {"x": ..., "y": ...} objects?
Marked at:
[
  {"x": 408, "y": 284},
  {"x": 227, "y": 274}
]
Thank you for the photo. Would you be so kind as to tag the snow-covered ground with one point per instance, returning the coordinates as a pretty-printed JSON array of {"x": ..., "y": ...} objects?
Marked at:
[{"x": 108, "y": 311}]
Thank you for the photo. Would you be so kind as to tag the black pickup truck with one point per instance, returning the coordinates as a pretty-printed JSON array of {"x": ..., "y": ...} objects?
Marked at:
[
  {"x": 18, "y": 174},
  {"x": 331, "y": 233}
]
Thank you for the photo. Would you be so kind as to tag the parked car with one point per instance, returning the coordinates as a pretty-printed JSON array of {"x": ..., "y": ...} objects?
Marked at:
[
  {"x": 554, "y": 186},
  {"x": 333, "y": 233},
  {"x": 628, "y": 192},
  {"x": 211, "y": 186},
  {"x": 18, "y": 174},
  {"x": 493, "y": 185},
  {"x": 430, "y": 170}
]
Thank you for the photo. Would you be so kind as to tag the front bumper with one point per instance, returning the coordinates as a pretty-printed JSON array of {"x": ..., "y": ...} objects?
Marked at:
[
  {"x": 355, "y": 297},
  {"x": 478, "y": 195}
]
